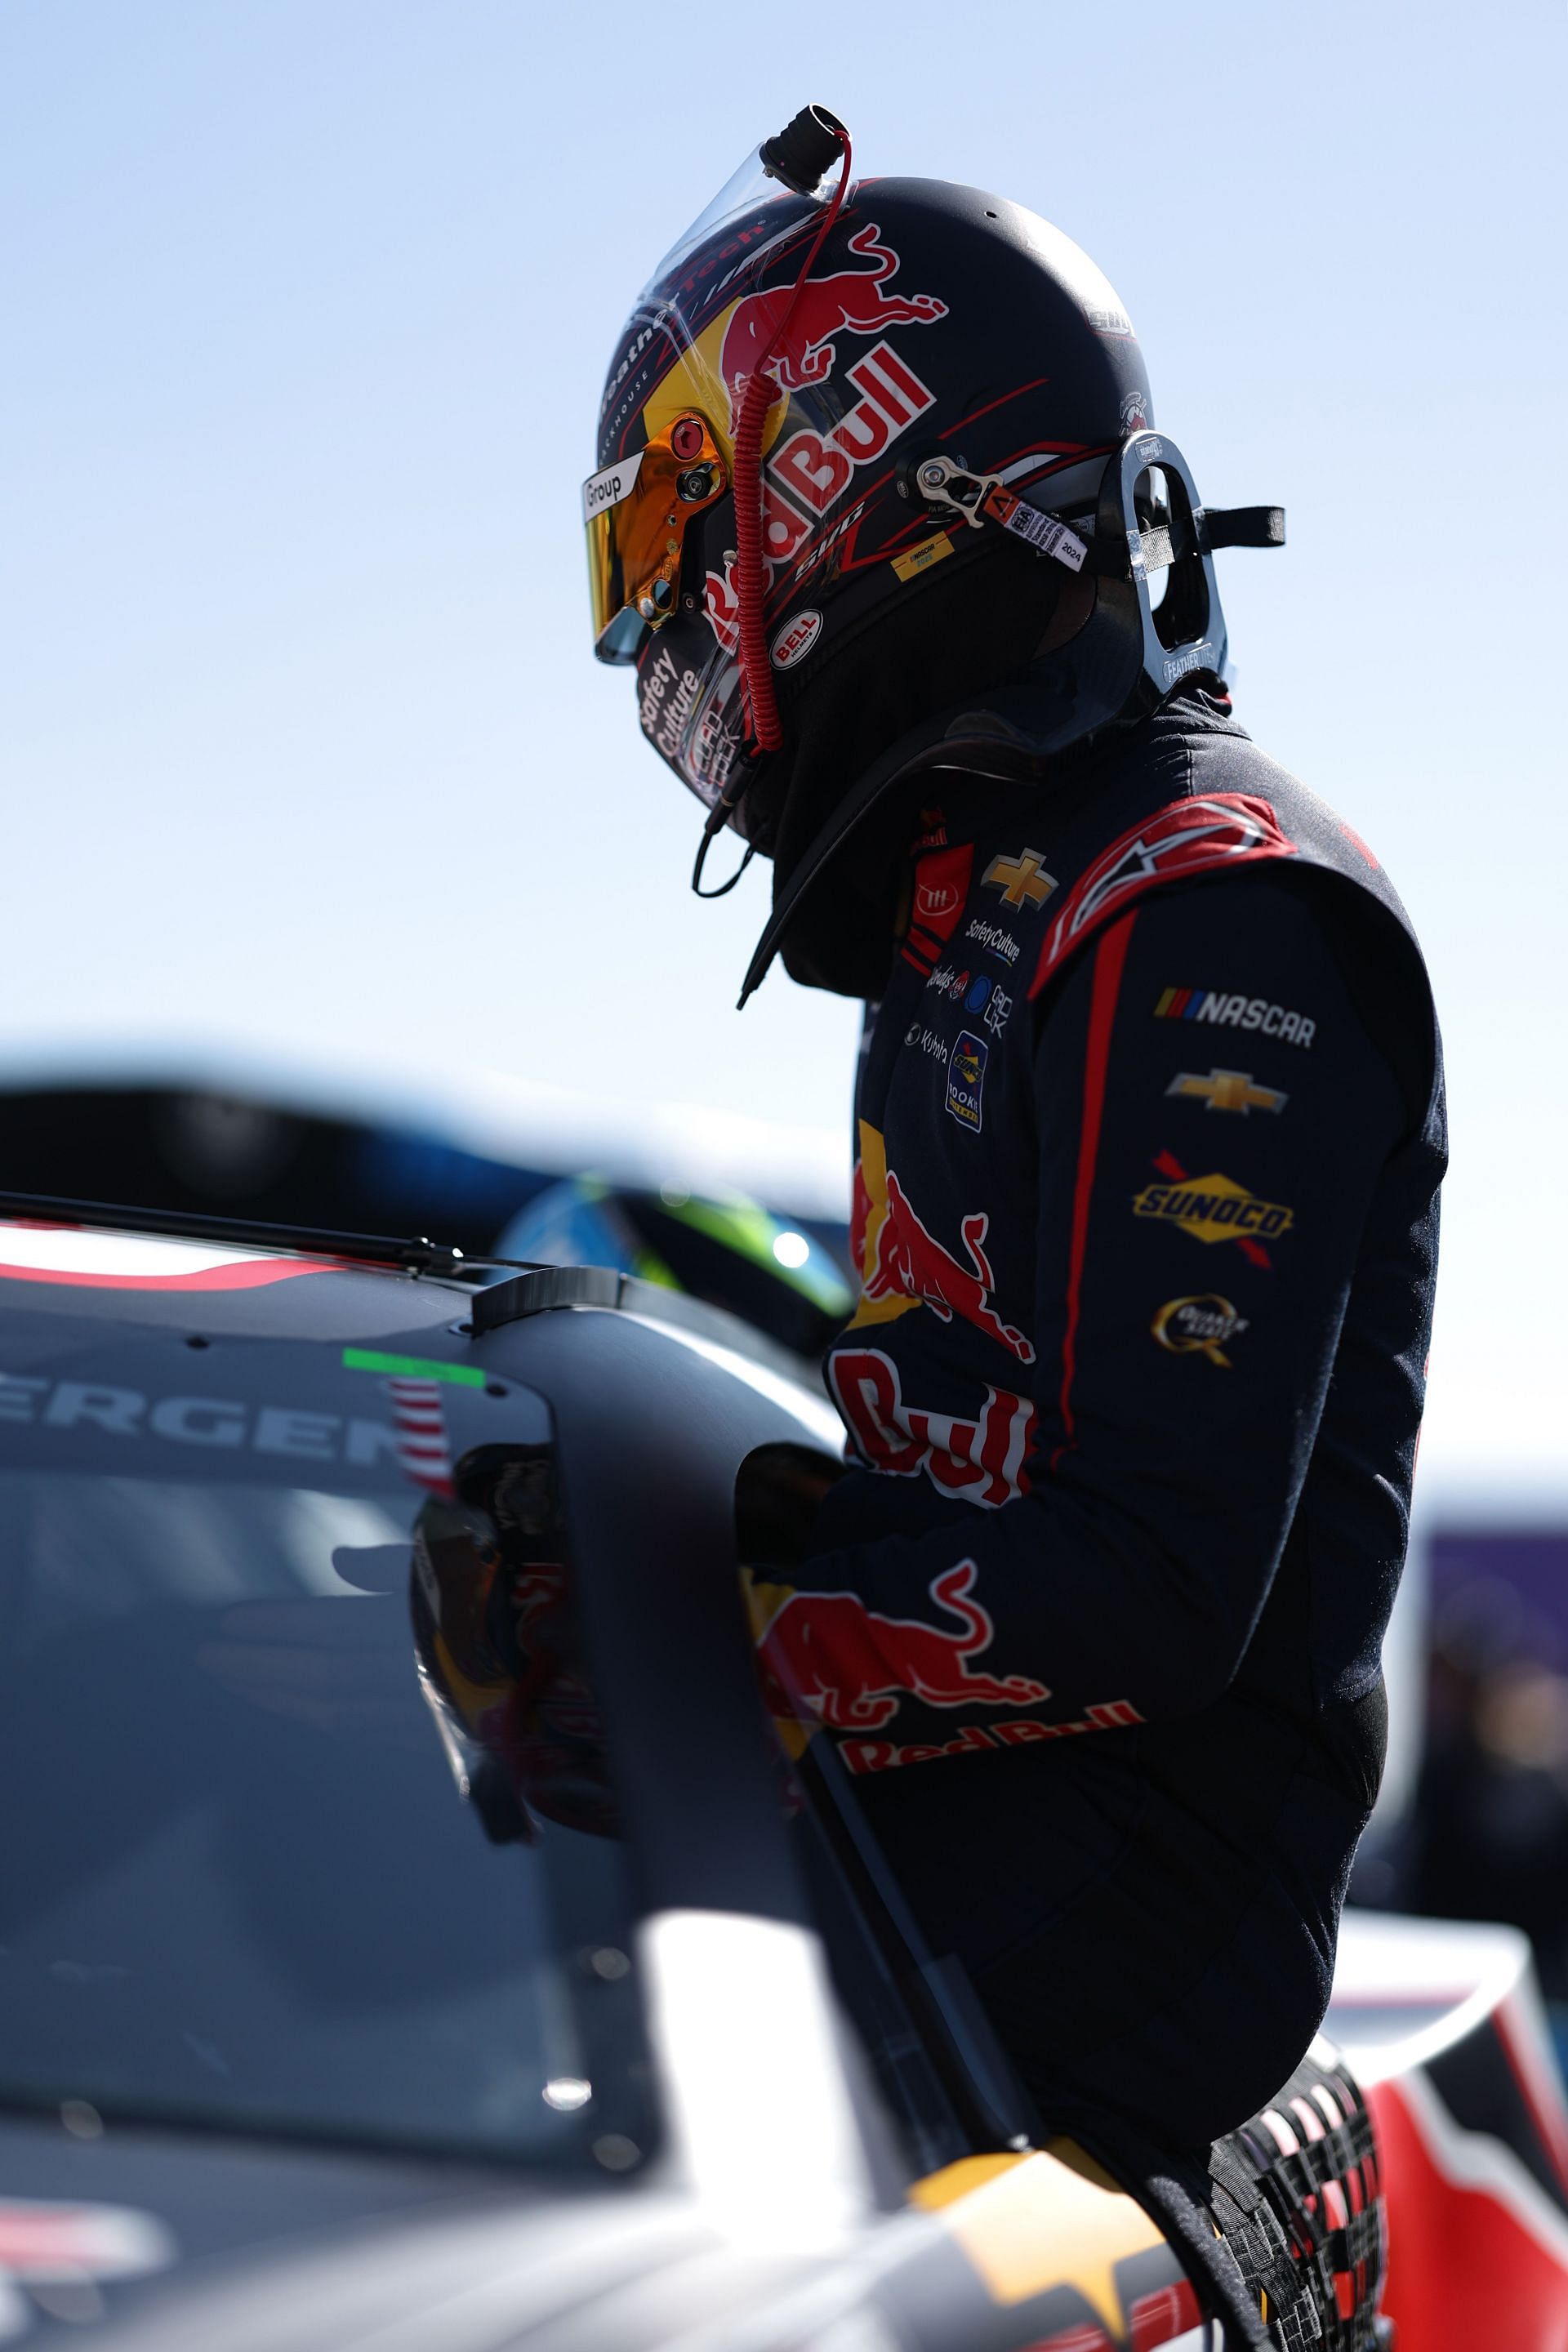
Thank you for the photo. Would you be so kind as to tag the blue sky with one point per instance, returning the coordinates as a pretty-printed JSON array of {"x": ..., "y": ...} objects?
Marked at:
[{"x": 306, "y": 307}]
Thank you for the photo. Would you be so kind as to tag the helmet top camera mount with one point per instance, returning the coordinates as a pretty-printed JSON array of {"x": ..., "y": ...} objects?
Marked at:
[{"x": 804, "y": 150}]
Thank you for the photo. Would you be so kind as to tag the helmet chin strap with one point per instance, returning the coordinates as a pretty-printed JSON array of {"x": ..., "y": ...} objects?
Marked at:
[
  {"x": 718, "y": 817},
  {"x": 751, "y": 568}
]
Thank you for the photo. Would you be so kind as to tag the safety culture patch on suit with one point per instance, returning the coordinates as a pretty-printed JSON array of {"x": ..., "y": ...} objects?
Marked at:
[
  {"x": 1213, "y": 1208},
  {"x": 966, "y": 1080},
  {"x": 994, "y": 940},
  {"x": 1198, "y": 1327}
]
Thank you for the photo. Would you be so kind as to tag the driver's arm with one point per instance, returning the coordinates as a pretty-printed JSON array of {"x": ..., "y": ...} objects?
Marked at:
[{"x": 1183, "y": 1360}]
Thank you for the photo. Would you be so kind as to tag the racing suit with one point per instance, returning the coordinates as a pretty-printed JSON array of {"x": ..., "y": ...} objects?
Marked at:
[{"x": 1150, "y": 1135}]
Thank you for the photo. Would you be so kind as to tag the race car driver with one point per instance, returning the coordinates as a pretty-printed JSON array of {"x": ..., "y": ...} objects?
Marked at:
[{"x": 1150, "y": 1121}]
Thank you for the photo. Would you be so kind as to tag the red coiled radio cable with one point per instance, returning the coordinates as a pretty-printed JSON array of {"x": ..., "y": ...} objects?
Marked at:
[{"x": 751, "y": 572}]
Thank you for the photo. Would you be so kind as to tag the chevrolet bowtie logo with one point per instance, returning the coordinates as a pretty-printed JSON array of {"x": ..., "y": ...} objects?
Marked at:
[
  {"x": 1227, "y": 1090},
  {"x": 1022, "y": 880}
]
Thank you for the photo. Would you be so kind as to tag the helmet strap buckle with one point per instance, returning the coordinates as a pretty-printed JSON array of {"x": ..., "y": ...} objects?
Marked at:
[
  {"x": 947, "y": 483},
  {"x": 980, "y": 499}
]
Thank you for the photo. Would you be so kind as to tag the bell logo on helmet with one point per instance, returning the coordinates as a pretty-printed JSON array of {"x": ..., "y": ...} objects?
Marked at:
[
  {"x": 846, "y": 302},
  {"x": 795, "y": 640}
]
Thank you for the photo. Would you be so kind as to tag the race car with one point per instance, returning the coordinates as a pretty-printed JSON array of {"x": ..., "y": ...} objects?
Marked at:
[{"x": 417, "y": 1934}]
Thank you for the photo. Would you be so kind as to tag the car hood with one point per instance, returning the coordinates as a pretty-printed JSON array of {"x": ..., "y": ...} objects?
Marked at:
[{"x": 164, "y": 2241}]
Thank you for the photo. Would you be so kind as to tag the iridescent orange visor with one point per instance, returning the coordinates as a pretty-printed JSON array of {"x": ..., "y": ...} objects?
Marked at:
[{"x": 636, "y": 514}]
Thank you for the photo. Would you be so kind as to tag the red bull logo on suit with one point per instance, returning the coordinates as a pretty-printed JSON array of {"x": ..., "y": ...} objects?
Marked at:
[
  {"x": 826, "y": 1655},
  {"x": 886, "y": 1755},
  {"x": 982, "y": 1460},
  {"x": 902, "y": 1264}
]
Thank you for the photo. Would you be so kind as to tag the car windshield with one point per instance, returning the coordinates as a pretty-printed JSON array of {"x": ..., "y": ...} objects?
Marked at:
[{"x": 257, "y": 1877}]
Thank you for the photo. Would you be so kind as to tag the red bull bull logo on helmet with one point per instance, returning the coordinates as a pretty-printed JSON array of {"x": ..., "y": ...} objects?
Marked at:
[
  {"x": 809, "y": 471},
  {"x": 815, "y": 469},
  {"x": 828, "y": 1656},
  {"x": 843, "y": 302}
]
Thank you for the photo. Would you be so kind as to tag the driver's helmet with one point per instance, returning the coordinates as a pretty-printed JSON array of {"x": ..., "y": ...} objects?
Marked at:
[
  {"x": 884, "y": 443},
  {"x": 729, "y": 1251},
  {"x": 936, "y": 322}
]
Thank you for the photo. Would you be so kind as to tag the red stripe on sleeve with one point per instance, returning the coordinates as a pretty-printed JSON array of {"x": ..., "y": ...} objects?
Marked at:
[{"x": 1109, "y": 958}]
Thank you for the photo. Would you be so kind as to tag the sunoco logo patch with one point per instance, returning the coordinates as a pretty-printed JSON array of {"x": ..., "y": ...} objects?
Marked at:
[{"x": 1213, "y": 1209}]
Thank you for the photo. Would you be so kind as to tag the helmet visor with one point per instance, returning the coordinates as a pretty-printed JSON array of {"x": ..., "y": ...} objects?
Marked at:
[
  {"x": 636, "y": 513},
  {"x": 753, "y": 194},
  {"x": 636, "y": 510}
]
